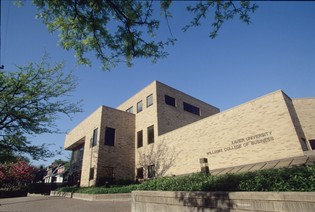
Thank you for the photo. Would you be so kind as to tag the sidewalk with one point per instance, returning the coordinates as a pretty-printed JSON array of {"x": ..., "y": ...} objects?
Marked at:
[{"x": 61, "y": 204}]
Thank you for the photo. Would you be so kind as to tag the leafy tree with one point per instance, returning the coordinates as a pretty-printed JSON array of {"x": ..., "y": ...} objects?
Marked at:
[
  {"x": 120, "y": 31},
  {"x": 16, "y": 175},
  {"x": 30, "y": 101}
]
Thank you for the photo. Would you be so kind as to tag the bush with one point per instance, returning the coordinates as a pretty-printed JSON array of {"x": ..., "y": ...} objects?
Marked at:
[
  {"x": 16, "y": 176},
  {"x": 286, "y": 179}
]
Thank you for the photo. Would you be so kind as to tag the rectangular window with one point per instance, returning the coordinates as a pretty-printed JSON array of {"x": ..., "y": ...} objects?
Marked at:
[
  {"x": 139, "y": 106},
  {"x": 170, "y": 101},
  {"x": 130, "y": 110},
  {"x": 151, "y": 134},
  {"x": 91, "y": 174},
  {"x": 140, "y": 138},
  {"x": 109, "y": 172},
  {"x": 149, "y": 100},
  {"x": 140, "y": 173},
  {"x": 94, "y": 141},
  {"x": 192, "y": 109},
  {"x": 312, "y": 143},
  {"x": 151, "y": 171},
  {"x": 110, "y": 136}
]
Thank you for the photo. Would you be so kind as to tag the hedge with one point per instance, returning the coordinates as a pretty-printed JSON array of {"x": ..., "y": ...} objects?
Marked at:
[{"x": 300, "y": 178}]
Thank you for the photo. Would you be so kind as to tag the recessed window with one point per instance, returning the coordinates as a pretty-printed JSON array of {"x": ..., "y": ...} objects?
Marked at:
[
  {"x": 140, "y": 173},
  {"x": 170, "y": 101},
  {"x": 94, "y": 141},
  {"x": 109, "y": 172},
  {"x": 130, "y": 110},
  {"x": 91, "y": 174},
  {"x": 149, "y": 100},
  {"x": 139, "y": 106},
  {"x": 312, "y": 143},
  {"x": 110, "y": 136},
  {"x": 139, "y": 138},
  {"x": 151, "y": 134},
  {"x": 151, "y": 171},
  {"x": 192, "y": 109}
]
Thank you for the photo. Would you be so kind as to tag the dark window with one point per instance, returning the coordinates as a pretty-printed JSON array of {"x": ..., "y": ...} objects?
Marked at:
[
  {"x": 139, "y": 107},
  {"x": 77, "y": 154},
  {"x": 94, "y": 141},
  {"x": 312, "y": 143},
  {"x": 149, "y": 100},
  {"x": 91, "y": 173},
  {"x": 192, "y": 109},
  {"x": 109, "y": 136},
  {"x": 151, "y": 171},
  {"x": 151, "y": 134},
  {"x": 140, "y": 138},
  {"x": 140, "y": 173},
  {"x": 170, "y": 101},
  {"x": 130, "y": 110},
  {"x": 109, "y": 172}
]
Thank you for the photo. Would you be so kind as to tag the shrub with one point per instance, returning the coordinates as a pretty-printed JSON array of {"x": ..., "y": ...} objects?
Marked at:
[
  {"x": 16, "y": 176},
  {"x": 286, "y": 179}
]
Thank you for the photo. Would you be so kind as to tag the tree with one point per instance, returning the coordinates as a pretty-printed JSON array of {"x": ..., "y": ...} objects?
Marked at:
[
  {"x": 159, "y": 155},
  {"x": 120, "y": 31},
  {"x": 31, "y": 99},
  {"x": 16, "y": 175}
]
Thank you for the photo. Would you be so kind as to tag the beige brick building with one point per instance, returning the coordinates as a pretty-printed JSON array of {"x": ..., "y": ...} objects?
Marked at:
[{"x": 161, "y": 131}]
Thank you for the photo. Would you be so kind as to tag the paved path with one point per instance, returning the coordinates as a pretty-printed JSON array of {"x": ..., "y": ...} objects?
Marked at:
[{"x": 60, "y": 204}]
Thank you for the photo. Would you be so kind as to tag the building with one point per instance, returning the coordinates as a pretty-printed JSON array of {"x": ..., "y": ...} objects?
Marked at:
[
  {"x": 55, "y": 174},
  {"x": 161, "y": 131}
]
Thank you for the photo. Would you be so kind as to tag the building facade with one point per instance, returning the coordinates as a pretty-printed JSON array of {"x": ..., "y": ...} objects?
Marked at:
[{"x": 161, "y": 131}]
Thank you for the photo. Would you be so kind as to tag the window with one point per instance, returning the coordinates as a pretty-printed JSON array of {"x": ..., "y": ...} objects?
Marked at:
[
  {"x": 170, "y": 101},
  {"x": 94, "y": 141},
  {"x": 109, "y": 136},
  {"x": 130, "y": 110},
  {"x": 140, "y": 173},
  {"x": 151, "y": 171},
  {"x": 91, "y": 173},
  {"x": 140, "y": 138},
  {"x": 312, "y": 143},
  {"x": 192, "y": 109},
  {"x": 77, "y": 154},
  {"x": 149, "y": 100},
  {"x": 151, "y": 134},
  {"x": 109, "y": 172},
  {"x": 139, "y": 106}
]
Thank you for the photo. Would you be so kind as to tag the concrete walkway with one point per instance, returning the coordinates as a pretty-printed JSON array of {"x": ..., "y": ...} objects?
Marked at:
[{"x": 60, "y": 204}]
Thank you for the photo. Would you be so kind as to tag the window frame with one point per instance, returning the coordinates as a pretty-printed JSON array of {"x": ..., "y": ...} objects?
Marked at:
[
  {"x": 169, "y": 100},
  {"x": 140, "y": 173},
  {"x": 151, "y": 102},
  {"x": 92, "y": 172},
  {"x": 312, "y": 143},
  {"x": 138, "y": 108},
  {"x": 110, "y": 137},
  {"x": 151, "y": 171},
  {"x": 94, "y": 138},
  {"x": 130, "y": 110},
  {"x": 138, "y": 142},
  {"x": 110, "y": 170},
  {"x": 150, "y": 134},
  {"x": 191, "y": 108}
]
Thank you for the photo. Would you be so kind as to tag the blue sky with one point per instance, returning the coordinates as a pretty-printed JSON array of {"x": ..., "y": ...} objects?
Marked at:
[{"x": 276, "y": 51}]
